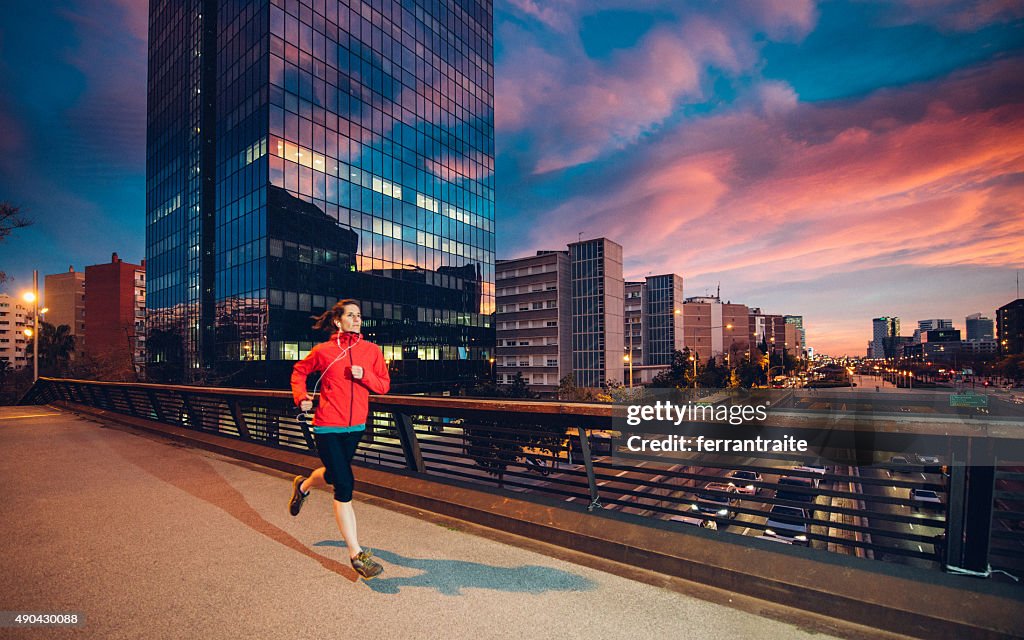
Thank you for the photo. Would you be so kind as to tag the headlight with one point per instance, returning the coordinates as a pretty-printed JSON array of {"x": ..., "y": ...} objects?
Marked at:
[
  {"x": 723, "y": 512},
  {"x": 694, "y": 507},
  {"x": 750, "y": 487},
  {"x": 769, "y": 532},
  {"x": 801, "y": 538}
]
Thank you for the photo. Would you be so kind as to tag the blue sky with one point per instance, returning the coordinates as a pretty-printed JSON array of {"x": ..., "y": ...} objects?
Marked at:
[{"x": 839, "y": 160}]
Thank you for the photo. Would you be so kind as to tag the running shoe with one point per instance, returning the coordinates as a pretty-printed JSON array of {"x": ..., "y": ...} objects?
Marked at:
[
  {"x": 295, "y": 504},
  {"x": 366, "y": 566}
]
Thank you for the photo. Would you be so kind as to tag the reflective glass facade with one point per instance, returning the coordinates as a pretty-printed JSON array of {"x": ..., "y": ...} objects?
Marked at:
[{"x": 306, "y": 151}]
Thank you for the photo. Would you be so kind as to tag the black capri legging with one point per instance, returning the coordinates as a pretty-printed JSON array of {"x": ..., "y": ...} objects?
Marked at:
[{"x": 336, "y": 452}]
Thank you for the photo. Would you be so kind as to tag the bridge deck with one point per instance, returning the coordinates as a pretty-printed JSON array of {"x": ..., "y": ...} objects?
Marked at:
[{"x": 147, "y": 538}]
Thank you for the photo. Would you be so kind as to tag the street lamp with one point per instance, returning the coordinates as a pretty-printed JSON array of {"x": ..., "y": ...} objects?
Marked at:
[
  {"x": 33, "y": 298},
  {"x": 629, "y": 357}
]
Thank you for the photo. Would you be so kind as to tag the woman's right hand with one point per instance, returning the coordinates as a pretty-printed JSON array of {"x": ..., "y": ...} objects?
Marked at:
[{"x": 306, "y": 404}]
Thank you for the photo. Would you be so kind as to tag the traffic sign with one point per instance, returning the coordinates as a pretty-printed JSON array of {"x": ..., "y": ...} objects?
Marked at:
[{"x": 968, "y": 400}]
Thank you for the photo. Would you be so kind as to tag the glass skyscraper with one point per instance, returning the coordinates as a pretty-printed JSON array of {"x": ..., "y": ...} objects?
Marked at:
[{"x": 302, "y": 151}]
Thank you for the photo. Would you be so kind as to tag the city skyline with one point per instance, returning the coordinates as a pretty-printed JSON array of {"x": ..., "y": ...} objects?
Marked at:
[{"x": 810, "y": 176}]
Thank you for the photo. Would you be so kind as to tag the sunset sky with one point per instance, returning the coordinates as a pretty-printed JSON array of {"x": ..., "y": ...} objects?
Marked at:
[{"x": 836, "y": 160}]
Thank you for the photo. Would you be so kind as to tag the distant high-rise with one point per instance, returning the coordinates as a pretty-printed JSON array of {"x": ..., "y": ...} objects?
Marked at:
[
  {"x": 798, "y": 322},
  {"x": 933, "y": 324},
  {"x": 1010, "y": 327},
  {"x": 534, "y": 320},
  {"x": 715, "y": 329},
  {"x": 882, "y": 328},
  {"x": 298, "y": 153},
  {"x": 561, "y": 313},
  {"x": 664, "y": 318},
  {"x": 64, "y": 298},
  {"x": 15, "y": 317},
  {"x": 597, "y": 311},
  {"x": 115, "y": 311},
  {"x": 634, "y": 315},
  {"x": 979, "y": 327}
]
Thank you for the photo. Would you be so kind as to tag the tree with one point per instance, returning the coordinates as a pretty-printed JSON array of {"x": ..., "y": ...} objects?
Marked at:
[
  {"x": 11, "y": 218},
  {"x": 56, "y": 345},
  {"x": 713, "y": 375},
  {"x": 519, "y": 388},
  {"x": 750, "y": 373},
  {"x": 680, "y": 371},
  {"x": 568, "y": 391}
]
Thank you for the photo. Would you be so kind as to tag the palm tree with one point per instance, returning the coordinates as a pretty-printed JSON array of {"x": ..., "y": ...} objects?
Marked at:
[
  {"x": 5, "y": 370},
  {"x": 56, "y": 344}
]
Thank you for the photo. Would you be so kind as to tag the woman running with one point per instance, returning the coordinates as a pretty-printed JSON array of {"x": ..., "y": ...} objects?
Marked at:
[{"x": 351, "y": 368}]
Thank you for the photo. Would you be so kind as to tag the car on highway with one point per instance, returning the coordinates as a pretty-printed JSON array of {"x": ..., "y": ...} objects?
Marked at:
[
  {"x": 900, "y": 464},
  {"x": 928, "y": 459},
  {"x": 925, "y": 499},
  {"x": 694, "y": 521},
  {"x": 715, "y": 499},
  {"x": 742, "y": 482},
  {"x": 813, "y": 467},
  {"x": 785, "y": 525},
  {"x": 797, "y": 489}
]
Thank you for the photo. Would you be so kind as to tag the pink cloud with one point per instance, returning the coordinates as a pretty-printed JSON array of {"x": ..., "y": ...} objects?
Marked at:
[
  {"x": 579, "y": 110},
  {"x": 926, "y": 177},
  {"x": 955, "y": 15}
]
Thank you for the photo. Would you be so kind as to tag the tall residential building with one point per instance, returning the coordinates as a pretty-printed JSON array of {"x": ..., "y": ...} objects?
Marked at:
[
  {"x": 634, "y": 315},
  {"x": 115, "y": 299},
  {"x": 1010, "y": 327},
  {"x": 979, "y": 327},
  {"x": 801, "y": 338},
  {"x": 534, "y": 320},
  {"x": 597, "y": 311},
  {"x": 15, "y": 317},
  {"x": 664, "y": 318},
  {"x": 882, "y": 328},
  {"x": 64, "y": 299},
  {"x": 302, "y": 152},
  {"x": 712, "y": 328}
]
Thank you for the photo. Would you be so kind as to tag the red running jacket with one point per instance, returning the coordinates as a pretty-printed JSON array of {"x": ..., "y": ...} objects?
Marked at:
[{"x": 344, "y": 401}]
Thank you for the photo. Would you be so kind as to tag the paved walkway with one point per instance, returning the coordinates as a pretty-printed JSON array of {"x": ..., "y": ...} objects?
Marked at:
[{"x": 153, "y": 540}]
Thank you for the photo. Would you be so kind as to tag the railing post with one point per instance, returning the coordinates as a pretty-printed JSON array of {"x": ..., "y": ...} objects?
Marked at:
[
  {"x": 239, "y": 418},
  {"x": 193, "y": 416},
  {"x": 588, "y": 464},
  {"x": 128, "y": 401},
  {"x": 154, "y": 402},
  {"x": 971, "y": 495},
  {"x": 410, "y": 445}
]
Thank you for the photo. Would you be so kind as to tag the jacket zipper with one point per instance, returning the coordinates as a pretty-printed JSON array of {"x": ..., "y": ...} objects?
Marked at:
[{"x": 351, "y": 389}]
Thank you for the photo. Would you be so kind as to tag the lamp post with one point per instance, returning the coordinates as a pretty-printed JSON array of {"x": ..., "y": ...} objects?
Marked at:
[
  {"x": 33, "y": 297},
  {"x": 629, "y": 357}
]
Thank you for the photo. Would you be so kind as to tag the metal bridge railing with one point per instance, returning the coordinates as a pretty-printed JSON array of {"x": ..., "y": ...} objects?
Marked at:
[{"x": 973, "y": 522}]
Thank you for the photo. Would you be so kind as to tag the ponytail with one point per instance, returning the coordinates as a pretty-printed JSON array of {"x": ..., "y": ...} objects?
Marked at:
[{"x": 325, "y": 321}]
